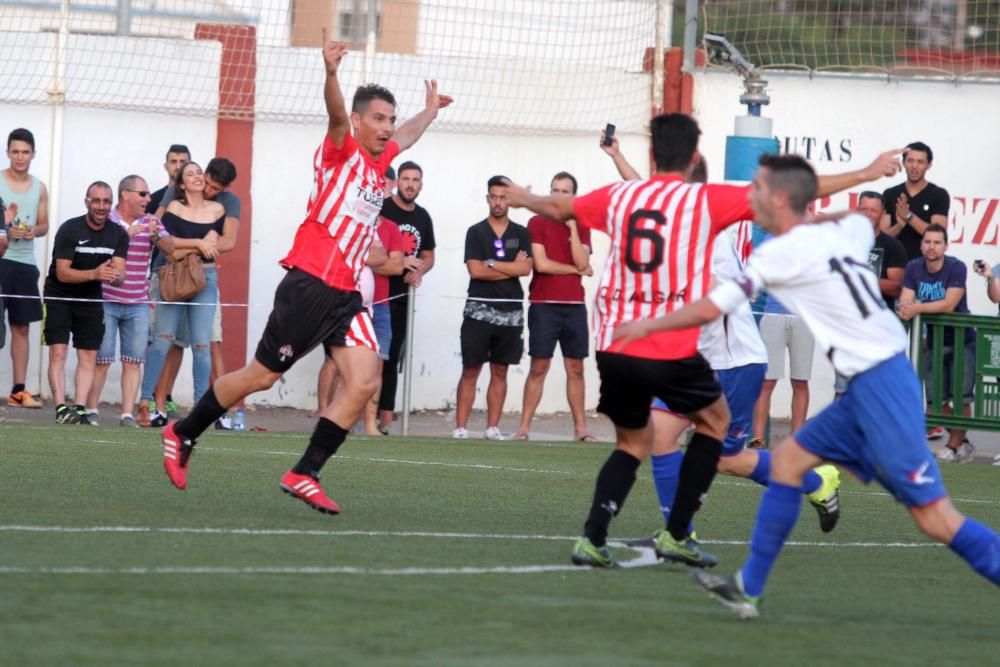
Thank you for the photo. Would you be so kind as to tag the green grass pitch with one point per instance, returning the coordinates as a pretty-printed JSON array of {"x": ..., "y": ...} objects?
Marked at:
[{"x": 446, "y": 553}]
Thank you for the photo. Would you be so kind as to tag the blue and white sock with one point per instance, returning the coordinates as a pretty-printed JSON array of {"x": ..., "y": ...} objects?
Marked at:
[
  {"x": 979, "y": 547},
  {"x": 776, "y": 517},
  {"x": 666, "y": 473}
]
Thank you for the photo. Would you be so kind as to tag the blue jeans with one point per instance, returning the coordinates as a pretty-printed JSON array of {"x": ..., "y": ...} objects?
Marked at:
[
  {"x": 168, "y": 319},
  {"x": 131, "y": 320}
]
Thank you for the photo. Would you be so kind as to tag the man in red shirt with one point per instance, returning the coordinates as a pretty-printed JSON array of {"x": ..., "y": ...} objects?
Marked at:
[
  {"x": 558, "y": 313},
  {"x": 662, "y": 230},
  {"x": 318, "y": 301}
]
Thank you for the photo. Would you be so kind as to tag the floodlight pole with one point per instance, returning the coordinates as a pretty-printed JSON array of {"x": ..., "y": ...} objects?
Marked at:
[
  {"x": 411, "y": 300},
  {"x": 57, "y": 98}
]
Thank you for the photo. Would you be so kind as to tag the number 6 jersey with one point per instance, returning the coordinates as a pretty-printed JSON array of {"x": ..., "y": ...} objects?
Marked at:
[
  {"x": 820, "y": 272},
  {"x": 662, "y": 232}
]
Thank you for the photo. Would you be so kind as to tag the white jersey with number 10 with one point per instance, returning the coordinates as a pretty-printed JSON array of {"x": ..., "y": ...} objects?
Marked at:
[{"x": 820, "y": 272}]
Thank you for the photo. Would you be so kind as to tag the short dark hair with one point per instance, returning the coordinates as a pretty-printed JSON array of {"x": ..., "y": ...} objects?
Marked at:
[
  {"x": 178, "y": 148},
  {"x": 565, "y": 175},
  {"x": 221, "y": 170},
  {"x": 870, "y": 194},
  {"x": 675, "y": 139},
  {"x": 365, "y": 94},
  {"x": 98, "y": 184},
  {"x": 180, "y": 194},
  {"x": 935, "y": 227},
  {"x": 409, "y": 164},
  {"x": 21, "y": 134},
  {"x": 128, "y": 183},
  {"x": 919, "y": 146},
  {"x": 496, "y": 181},
  {"x": 792, "y": 175}
]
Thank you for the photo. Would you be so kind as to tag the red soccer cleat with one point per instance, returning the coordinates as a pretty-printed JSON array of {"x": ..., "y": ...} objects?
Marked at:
[
  {"x": 176, "y": 454},
  {"x": 308, "y": 490}
]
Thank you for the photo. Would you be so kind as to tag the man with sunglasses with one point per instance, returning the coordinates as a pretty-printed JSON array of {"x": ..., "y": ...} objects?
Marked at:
[
  {"x": 497, "y": 254},
  {"x": 126, "y": 306}
]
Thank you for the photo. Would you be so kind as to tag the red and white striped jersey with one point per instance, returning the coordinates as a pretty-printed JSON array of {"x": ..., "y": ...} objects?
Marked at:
[
  {"x": 348, "y": 188},
  {"x": 662, "y": 232}
]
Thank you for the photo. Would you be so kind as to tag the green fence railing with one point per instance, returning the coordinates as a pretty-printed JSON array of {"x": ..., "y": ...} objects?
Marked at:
[{"x": 986, "y": 369}]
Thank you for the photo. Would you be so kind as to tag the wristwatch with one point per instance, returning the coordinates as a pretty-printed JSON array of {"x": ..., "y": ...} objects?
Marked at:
[
  {"x": 490, "y": 262},
  {"x": 909, "y": 216}
]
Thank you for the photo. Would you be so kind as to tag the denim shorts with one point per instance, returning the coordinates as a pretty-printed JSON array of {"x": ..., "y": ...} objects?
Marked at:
[
  {"x": 130, "y": 323},
  {"x": 382, "y": 321}
]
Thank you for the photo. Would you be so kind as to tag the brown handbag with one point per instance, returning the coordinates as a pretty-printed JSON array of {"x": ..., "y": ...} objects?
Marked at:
[{"x": 182, "y": 279}]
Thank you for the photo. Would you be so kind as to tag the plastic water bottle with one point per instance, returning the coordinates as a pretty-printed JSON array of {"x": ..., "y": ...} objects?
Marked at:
[{"x": 240, "y": 420}]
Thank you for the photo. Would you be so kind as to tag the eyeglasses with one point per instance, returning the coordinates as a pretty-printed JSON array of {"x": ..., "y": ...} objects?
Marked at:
[
  {"x": 94, "y": 200},
  {"x": 141, "y": 193}
]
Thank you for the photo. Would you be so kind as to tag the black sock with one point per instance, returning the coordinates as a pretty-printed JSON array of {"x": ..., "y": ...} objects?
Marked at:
[
  {"x": 202, "y": 416},
  {"x": 614, "y": 482},
  {"x": 17, "y": 388},
  {"x": 697, "y": 472},
  {"x": 324, "y": 443}
]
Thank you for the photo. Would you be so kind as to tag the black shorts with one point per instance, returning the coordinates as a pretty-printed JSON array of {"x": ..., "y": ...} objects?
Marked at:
[
  {"x": 482, "y": 342},
  {"x": 20, "y": 279},
  {"x": 308, "y": 312},
  {"x": 551, "y": 323},
  {"x": 84, "y": 320},
  {"x": 628, "y": 385}
]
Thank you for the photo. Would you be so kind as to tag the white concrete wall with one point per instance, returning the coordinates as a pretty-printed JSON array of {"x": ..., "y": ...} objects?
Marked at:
[{"x": 960, "y": 122}]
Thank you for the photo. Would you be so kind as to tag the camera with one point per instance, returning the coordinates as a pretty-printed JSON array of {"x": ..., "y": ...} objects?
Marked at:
[
  {"x": 980, "y": 265},
  {"x": 722, "y": 52}
]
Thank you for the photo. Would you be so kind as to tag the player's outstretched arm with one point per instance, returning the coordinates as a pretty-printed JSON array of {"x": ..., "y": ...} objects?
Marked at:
[
  {"x": 410, "y": 131},
  {"x": 886, "y": 164},
  {"x": 557, "y": 207},
  {"x": 690, "y": 316},
  {"x": 336, "y": 110}
]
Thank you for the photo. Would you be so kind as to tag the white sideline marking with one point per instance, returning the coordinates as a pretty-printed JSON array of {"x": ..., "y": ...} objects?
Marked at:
[{"x": 265, "y": 532}]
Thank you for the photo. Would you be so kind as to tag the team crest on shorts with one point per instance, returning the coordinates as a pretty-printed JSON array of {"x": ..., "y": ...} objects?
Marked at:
[{"x": 286, "y": 352}]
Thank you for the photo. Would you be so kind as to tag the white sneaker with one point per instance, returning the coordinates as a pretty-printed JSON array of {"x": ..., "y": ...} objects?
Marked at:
[
  {"x": 493, "y": 433},
  {"x": 996, "y": 460},
  {"x": 966, "y": 452},
  {"x": 460, "y": 433},
  {"x": 946, "y": 453}
]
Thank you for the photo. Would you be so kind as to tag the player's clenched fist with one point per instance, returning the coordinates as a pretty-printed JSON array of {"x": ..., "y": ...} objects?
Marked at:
[{"x": 333, "y": 53}]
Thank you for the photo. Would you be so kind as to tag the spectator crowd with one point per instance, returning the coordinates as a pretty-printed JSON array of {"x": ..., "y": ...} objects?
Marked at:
[{"x": 102, "y": 294}]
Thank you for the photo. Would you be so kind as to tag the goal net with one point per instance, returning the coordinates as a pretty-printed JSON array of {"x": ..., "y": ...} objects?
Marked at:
[
  {"x": 537, "y": 66},
  {"x": 957, "y": 38}
]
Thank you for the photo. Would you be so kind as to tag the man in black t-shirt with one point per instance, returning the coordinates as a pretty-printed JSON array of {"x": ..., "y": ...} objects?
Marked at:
[
  {"x": 888, "y": 256},
  {"x": 418, "y": 252},
  {"x": 497, "y": 254},
  {"x": 87, "y": 251},
  {"x": 916, "y": 202},
  {"x": 177, "y": 156}
]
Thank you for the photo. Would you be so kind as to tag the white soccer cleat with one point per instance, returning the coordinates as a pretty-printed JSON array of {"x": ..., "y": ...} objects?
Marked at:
[
  {"x": 493, "y": 433},
  {"x": 460, "y": 433}
]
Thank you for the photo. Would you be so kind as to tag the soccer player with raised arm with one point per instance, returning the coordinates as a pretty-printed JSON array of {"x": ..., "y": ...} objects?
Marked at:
[
  {"x": 662, "y": 230},
  {"x": 821, "y": 273},
  {"x": 318, "y": 301},
  {"x": 735, "y": 351}
]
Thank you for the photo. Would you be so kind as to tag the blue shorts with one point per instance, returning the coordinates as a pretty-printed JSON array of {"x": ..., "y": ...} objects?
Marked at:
[
  {"x": 877, "y": 430},
  {"x": 130, "y": 322},
  {"x": 741, "y": 387},
  {"x": 382, "y": 322}
]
